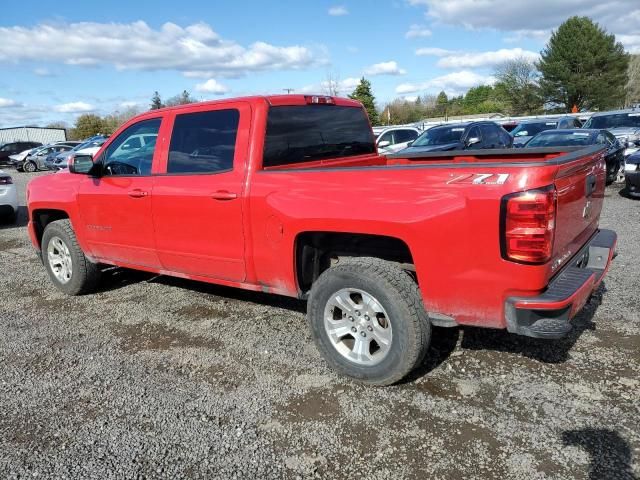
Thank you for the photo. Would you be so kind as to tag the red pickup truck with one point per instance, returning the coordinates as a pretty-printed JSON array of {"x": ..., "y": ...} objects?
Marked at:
[{"x": 288, "y": 195}]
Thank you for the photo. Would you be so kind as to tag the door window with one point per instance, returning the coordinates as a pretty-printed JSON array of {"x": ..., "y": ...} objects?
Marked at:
[
  {"x": 126, "y": 155},
  {"x": 474, "y": 132},
  {"x": 490, "y": 136},
  {"x": 387, "y": 137},
  {"x": 402, "y": 136},
  {"x": 203, "y": 142}
]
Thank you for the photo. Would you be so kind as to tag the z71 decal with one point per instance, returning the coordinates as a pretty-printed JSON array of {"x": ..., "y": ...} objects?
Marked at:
[{"x": 481, "y": 178}]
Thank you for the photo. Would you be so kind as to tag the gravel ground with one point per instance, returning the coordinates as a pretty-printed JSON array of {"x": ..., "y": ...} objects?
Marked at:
[{"x": 155, "y": 377}]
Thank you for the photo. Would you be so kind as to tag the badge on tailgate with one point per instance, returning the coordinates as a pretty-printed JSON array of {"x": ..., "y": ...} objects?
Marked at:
[{"x": 481, "y": 178}]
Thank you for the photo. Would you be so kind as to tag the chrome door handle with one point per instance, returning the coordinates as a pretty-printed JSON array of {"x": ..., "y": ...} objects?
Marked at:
[{"x": 224, "y": 195}]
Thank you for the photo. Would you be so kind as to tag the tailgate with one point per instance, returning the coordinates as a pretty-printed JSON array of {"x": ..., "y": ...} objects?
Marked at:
[{"x": 580, "y": 183}]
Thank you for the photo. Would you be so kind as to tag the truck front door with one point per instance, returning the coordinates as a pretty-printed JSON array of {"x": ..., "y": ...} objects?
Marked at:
[
  {"x": 116, "y": 205},
  {"x": 197, "y": 196}
]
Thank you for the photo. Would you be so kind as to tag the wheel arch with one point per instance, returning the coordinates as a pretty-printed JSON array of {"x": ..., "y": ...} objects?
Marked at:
[
  {"x": 43, "y": 217},
  {"x": 316, "y": 251}
]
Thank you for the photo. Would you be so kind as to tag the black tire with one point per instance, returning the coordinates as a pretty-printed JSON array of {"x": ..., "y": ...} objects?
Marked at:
[
  {"x": 84, "y": 274},
  {"x": 30, "y": 167},
  {"x": 398, "y": 294}
]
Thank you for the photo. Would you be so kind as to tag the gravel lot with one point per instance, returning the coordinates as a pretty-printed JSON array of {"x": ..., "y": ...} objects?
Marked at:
[{"x": 154, "y": 377}]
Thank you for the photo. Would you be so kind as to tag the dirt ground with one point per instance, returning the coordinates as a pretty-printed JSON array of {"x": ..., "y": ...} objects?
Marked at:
[{"x": 156, "y": 377}]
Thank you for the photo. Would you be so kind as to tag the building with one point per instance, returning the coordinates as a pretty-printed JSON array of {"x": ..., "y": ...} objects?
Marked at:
[{"x": 32, "y": 134}]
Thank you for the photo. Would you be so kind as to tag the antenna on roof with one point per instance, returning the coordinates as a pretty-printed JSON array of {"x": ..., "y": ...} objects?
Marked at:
[{"x": 288, "y": 90}]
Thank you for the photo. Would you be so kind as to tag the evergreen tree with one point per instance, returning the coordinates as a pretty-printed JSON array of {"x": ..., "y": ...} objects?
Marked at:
[
  {"x": 583, "y": 65},
  {"x": 364, "y": 95},
  {"x": 156, "y": 101},
  {"x": 442, "y": 98}
]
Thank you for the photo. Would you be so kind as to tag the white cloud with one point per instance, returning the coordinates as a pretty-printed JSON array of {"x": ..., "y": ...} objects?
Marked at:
[
  {"x": 136, "y": 46},
  {"x": 385, "y": 68},
  {"x": 129, "y": 104},
  {"x": 452, "y": 83},
  {"x": 485, "y": 59},
  {"x": 344, "y": 87},
  {"x": 534, "y": 19},
  {"x": 417, "y": 31},
  {"x": 212, "y": 86},
  {"x": 74, "y": 107},
  {"x": 43, "y": 72},
  {"x": 434, "y": 52},
  {"x": 7, "y": 102},
  {"x": 338, "y": 11}
]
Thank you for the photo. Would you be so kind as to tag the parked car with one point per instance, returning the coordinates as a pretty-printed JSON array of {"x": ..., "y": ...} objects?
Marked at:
[
  {"x": 461, "y": 136},
  {"x": 394, "y": 139},
  {"x": 19, "y": 157},
  {"x": 632, "y": 174},
  {"x": 12, "y": 148},
  {"x": 580, "y": 137},
  {"x": 287, "y": 194},
  {"x": 624, "y": 124},
  {"x": 37, "y": 159},
  {"x": 8, "y": 197},
  {"x": 527, "y": 129},
  {"x": 62, "y": 159}
]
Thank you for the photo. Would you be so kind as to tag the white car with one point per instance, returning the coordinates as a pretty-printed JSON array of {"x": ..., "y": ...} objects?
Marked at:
[
  {"x": 394, "y": 139},
  {"x": 8, "y": 197},
  {"x": 20, "y": 157}
]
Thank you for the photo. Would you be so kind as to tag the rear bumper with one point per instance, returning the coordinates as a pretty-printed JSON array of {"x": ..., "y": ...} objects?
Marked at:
[{"x": 548, "y": 315}]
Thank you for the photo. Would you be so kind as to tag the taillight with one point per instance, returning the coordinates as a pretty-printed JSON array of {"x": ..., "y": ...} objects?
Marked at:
[
  {"x": 319, "y": 100},
  {"x": 6, "y": 180},
  {"x": 528, "y": 223}
]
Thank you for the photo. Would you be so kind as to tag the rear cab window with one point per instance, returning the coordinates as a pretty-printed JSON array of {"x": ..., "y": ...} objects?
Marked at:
[{"x": 309, "y": 133}]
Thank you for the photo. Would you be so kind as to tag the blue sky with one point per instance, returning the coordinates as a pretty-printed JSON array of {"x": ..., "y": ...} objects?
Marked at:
[{"x": 63, "y": 58}]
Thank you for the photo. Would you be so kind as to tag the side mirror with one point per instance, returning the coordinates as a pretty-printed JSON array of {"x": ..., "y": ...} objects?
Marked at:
[
  {"x": 384, "y": 143},
  {"x": 82, "y": 164},
  {"x": 472, "y": 141}
]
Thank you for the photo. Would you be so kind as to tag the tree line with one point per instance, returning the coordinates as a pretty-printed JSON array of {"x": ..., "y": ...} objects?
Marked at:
[{"x": 581, "y": 68}]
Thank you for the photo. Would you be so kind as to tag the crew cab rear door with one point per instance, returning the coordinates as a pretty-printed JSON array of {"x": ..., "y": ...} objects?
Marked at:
[{"x": 197, "y": 195}]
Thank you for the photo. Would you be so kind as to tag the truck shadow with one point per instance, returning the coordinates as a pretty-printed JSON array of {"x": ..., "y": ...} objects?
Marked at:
[
  {"x": 114, "y": 278},
  {"x": 610, "y": 453},
  {"x": 21, "y": 220}
]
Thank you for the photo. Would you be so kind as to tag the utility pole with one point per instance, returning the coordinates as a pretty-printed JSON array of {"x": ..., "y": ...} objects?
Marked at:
[{"x": 288, "y": 90}]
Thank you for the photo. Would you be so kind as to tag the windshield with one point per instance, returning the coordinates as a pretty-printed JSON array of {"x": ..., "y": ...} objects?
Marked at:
[
  {"x": 531, "y": 129},
  {"x": 563, "y": 139},
  {"x": 614, "y": 120},
  {"x": 439, "y": 136}
]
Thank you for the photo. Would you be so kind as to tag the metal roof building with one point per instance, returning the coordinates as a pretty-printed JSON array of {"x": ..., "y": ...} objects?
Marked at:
[{"x": 32, "y": 134}]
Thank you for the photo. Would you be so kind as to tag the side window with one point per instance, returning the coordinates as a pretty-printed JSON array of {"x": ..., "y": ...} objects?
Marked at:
[
  {"x": 203, "y": 142},
  {"x": 610, "y": 137},
  {"x": 600, "y": 139},
  {"x": 387, "y": 137},
  {"x": 505, "y": 138},
  {"x": 126, "y": 155},
  {"x": 490, "y": 136},
  {"x": 402, "y": 136}
]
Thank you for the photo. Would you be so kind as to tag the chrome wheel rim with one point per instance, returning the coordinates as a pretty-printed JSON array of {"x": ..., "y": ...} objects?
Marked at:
[
  {"x": 59, "y": 259},
  {"x": 358, "y": 326}
]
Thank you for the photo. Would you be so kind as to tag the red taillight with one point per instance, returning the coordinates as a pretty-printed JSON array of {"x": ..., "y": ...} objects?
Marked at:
[
  {"x": 6, "y": 180},
  {"x": 319, "y": 100},
  {"x": 528, "y": 225}
]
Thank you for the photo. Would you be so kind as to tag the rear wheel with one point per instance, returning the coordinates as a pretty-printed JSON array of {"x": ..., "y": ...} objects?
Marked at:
[
  {"x": 368, "y": 320},
  {"x": 69, "y": 269},
  {"x": 30, "y": 167}
]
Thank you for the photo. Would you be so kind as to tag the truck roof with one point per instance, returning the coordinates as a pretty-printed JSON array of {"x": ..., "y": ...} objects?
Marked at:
[{"x": 272, "y": 100}]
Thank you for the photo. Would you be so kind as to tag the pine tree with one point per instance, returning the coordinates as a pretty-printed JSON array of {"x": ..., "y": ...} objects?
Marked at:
[
  {"x": 156, "y": 101},
  {"x": 364, "y": 95},
  {"x": 583, "y": 65},
  {"x": 442, "y": 98}
]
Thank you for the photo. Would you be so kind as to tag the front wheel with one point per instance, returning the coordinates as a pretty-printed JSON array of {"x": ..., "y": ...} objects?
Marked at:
[
  {"x": 69, "y": 269},
  {"x": 368, "y": 320},
  {"x": 30, "y": 167}
]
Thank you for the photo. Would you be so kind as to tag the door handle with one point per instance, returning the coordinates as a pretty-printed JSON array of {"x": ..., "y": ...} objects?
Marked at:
[
  {"x": 137, "y": 193},
  {"x": 224, "y": 195}
]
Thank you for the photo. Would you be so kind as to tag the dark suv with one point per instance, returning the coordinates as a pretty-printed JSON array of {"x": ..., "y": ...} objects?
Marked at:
[
  {"x": 461, "y": 136},
  {"x": 13, "y": 148}
]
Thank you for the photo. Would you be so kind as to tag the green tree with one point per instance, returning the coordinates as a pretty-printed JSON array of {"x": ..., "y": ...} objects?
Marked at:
[
  {"x": 633, "y": 85},
  {"x": 442, "y": 98},
  {"x": 518, "y": 86},
  {"x": 181, "y": 99},
  {"x": 87, "y": 125},
  {"x": 156, "y": 101},
  {"x": 583, "y": 65},
  {"x": 364, "y": 95}
]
